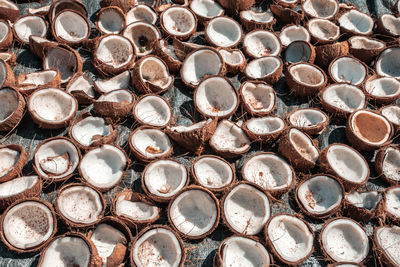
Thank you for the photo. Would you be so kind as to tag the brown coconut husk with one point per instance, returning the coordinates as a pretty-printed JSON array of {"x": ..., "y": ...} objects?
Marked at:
[
  {"x": 312, "y": 130},
  {"x": 174, "y": 65},
  {"x": 11, "y": 122},
  {"x": 81, "y": 96},
  {"x": 357, "y": 213},
  {"x": 40, "y": 48},
  {"x": 233, "y": 7},
  {"x": 379, "y": 158},
  {"x": 125, "y": 5},
  {"x": 234, "y": 69},
  {"x": 11, "y": 14},
  {"x": 27, "y": 89},
  {"x": 286, "y": 15},
  {"x": 328, "y": 52},
  {"x": 8, "y": 39},
  {"x": 302, "y": 89},
  {"x": 9, "y": 80},
  {"x": 19, "y": 165},
  {"x": 182, "y": 49},
  {"x": 9, "y": 57},
  {"x": 33, "y": 192}
]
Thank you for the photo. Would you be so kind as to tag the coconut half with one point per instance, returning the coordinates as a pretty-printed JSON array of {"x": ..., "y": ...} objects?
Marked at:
[
  {"x": 258, "y": 97},
  {"x": 344, "y": 240},
  {"x": 234, "y": 59},
  {"x": 391, "y": 204},
  {"x": 61, "y": 5},
  {"x": 111, "y": 20},
  {"x": 7, "y": 77},
  {"x": 320, "y": 196},
  {"x": 8, "y": 57},
  {"x": 9, "y": 10},
  {"x": 163, "y": 179},
  {"x": 268, "y": 69},
  {"x": 348, "y": 70},
  {"x": 290, "y": 238},
  {"x": 148, "y": 143},
  {"x": 389, "y": 24},
  {"x": 356, "y": 22},
  {"x": 81, "y": 88},
  {"x": 223, "y": 32},
  {"x": 141, "y": 12},
  {"x": 386, "y": 241},
  {"x": 387, "y": 164},
  {"x": 300, "y": 51},
  {"x": 120, "y": 81},
  {"x": 200, "y": 63},
  {"x": 245, "y": 209},
  {"x": 387, "y": 63},
  {"x": 168, "y": 54},
  {"x": 12, "y": 108},
  {"x": 19, "y": 188},
  {"x": 320, "y": 8},
  {"x": 206, "y": 9},
  {"x": 13, "y": 161},
  {"x": 364, "y": 137},
  {"x": 52, "y": 108},
  {"x": 229, "y": 140},
  {"x": 264, "y": 129},
  {"x": 103, "y": 167},
  {"x": 252, "y": 20},
  {"x": 328, "y": 52},
  {"x": 6, "y": 35},
  {"x": 261, "y": 43},
  {"x": 310, "y": 120},
  {"x": 70, "y": 27},
  {"x": 291, "y": 33},
  {"x": 80, "y": 205},
  {"x": 305, "y": 79},
  {"x": 28, "y": 225},
  {"x": 365, "y": 48},
  {"x": 362, "y": 206},
  {"x": 382, "y": 89},
  {"x": 392, "y": 114},
  {"x": 29, "y": 82},
  {"x": 116, "y": 104},
  {"x": 158, "y": 244},
  {"x": 39, "y": 45},
  {"x": 345, "y": 163},
  {"x": 142, "y": 35},
  {"x": 56, "y": 158},
  {"x": 286, "y": 15},
  {"x": 179, "y": 22},
  {"x": 29, "y": 25},
  {"x": 152, "y": 110},
  {"x": 323, "y": 31}
]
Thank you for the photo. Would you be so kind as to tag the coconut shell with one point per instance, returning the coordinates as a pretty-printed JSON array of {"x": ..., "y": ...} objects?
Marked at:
[
  {"x": 360, "y": 144},
  {"x": 311, "y": 130},
  {"x": 200, "y": 188},
  {"x": 134, "y": 197},
  {"x": 234, "y": 69},
  {"x": 174, "y": 65},
  {"x": 328, "y": 52},
  {"x": 275, "y": 251},
  {"x": 357, "y": 213},
  {"x": 286, "y": 15},
  {"x": 396, "y": 127},
  {"x": 105, "y": 9},
  {"x": 10, "y": 14},
  {"x": 364, "y": 54},
  {"x": 154, "y": 226},
  {"x": 301, "y": 89},
  {"x": 11, "y": 122},
  {"x": 212, "y": 43},
  {"x": 143, "y": 85},
  {"x": 351, "y": 32},
  {"x": 201, "y": 19},
  {"x": 251, "y": 25},
  {"x": 33, "y": 192},
  {"x": 181, "y": 37},
  {"x": 9, "y": 57},
  {"x": 145, "y": 123},
  {"x": 67, "y": 221},
  {"x": 27, "y": 89},
  {"x": 263, "y": 138},
  {"x": 378, "y": 99},
  {"x": 60, "y": 39},
  {"x": 322, "y": 41},
  {"x": 246, "y": 105},
  {"x": 19, "y": 165},
  {"x": 271, "y": 78},
  {"x": 381, "y": 26},
  {"x": 312, "y": 56},
  {"x": 383, "y": 258},
  {"x": 8, "y": 39},
  {"x": 18, "y": 39},
  {"x": 80, "y": 96},
  {"x": 336, "y": 264},
  {"x": 379, "y": 158},
  {"x": 9, "y": 80},
  {"x": 194, "y": 140},
  {"x": 113, "y": 110},
  {"x": 125, "y": 5},
  {"x": 59, "y": 5},
  {"x": 326, "y": 167},
  {"x": 182, "y": 49},
  {"x": 38, "y": 247},
  {"x": 40, "y": 48},
  {"x": 94, "y": 261},
  {"x": 233, "y": 7}
]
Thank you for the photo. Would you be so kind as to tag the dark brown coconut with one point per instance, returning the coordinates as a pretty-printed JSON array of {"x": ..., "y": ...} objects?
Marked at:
[
  {"x": 313, "y": 121},
  {"x": 354, "y": 26},
  {"x": 116, "y": 104},
  {"x": 9, "y": 57},
  {"x": 195, "y": 136},
  {"x": 387, "y": 254},
  {"x": 80, "y": 87},
  {"x": 391, "y": 114},
  {"x": 345, "y": 172},
  {"x": 387, "y": 168},
  {"x": 264, "y": 129},
  {"x": 70, "y": 34},
  {"x": 7, "y": 75},
  {"x": 93, "y": 260},
  {"x": 182, "y": 49},
  {"x": 60, "y": 5},
  {"x": 270, "y": 70},
  {"x": 234, "y": 59},
  {"x": 301, "y": 158},
  {"x": 167, "y": 53},
  {"x": 79, "y": 206},
  {"x": 194, "y": 210},
  {"x": 105, "y": 22},
  {"x": 39, "y": 45},
  {"x": 305, "y": 79},
  {"x": 283, "y": 229},
  {"x": 6, "y": 37},
  {"x": 29, "y": 82},
  {"x": 179, "y": 27},
  {"x": 142, "y": 202},
  {"x": 328, "y": 52},
  {"x": 258, "y": 98},
  {"x": 286, "y": 15},
  {"x": 252, "y": 20},
  {"x": 382, "y": 90},
  {"x": 234, "y": 7},
  {"x": 225, "y": 28},
  {"x": 360, "y": 207},
  {"x": 13, "y": 108},
  {"x": 300, "y": 51},
  {"x": 9, "y": 10},
  {"x": 362, "y": 136},
  {"x": 365, "y": 48},
  {"x": 10, "y": 194},
  {"x": 33, "y": 224},
  {"x": 19, "y": 161},
  {"x": 23, "y": 35}
]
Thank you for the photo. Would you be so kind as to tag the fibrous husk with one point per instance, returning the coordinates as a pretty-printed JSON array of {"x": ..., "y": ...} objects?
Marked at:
[
  {"x": 233, "y": 7},
  {"x": 31, "y": 190},
  {"x": 328, "y": 52},
  {"x": 251, "y": 23},
  {"x": 309, "y": 85},
  {"x": 18, "y": 165},
  {"x": 39, "y": 45},
  {"x": 125, "y": 5},
  {"x": 14, "y": 117},
  {"x": 365, "y": 53},
  {"x": 9, "y": 57},
  {"x": 359, "y": 212},
  {"x": 108, "y": 106},
  {"x": 7, "y": 39},
  {"x": 167, "y": 53},
  {"x": 28, "y": 88},
  {"x": 286, "y": 15},
  {"x": 9, "y": 10}
]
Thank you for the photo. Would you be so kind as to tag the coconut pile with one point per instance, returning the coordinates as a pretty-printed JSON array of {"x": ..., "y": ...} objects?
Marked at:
[{"x": 157, "y": 130}]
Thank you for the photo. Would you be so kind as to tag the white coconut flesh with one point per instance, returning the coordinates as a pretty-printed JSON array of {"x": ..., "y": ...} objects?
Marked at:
[
  {"x": 294, "y": 33},
  {"x": 291, "y": 237},
  {"x": 265, "y": 125},
  {"x": 345, "y": 97},
  {"x": 242, "y": 251},
  {"x": 153, "y": 110},
  {"x": 8, "y": 103},
  {"x": 262, "y": 67},
  {"x": 233, "y": 58},
  {"x": 223, "y": 32},
  {"x": 81, "y": 84},
  {"x": 80, "y": 204},
  {"x": 321, "y": 8},
  {"x": 261, "y": 17},
  {"x": 193, "y": 127},
  {"x": 71, "y": 26},
  {"x": 17, "y": 185},
  {"x": 63, "y": 60},
  {"x": 4, "y": 30},
  {"x": 39, "y": 78},
  {"x": 392, "y": 201},
  {"x": 141, "y": 13},
  {"x": 388, "y": 63},
  {"x": 30, "y": 25},
  {"x": 199, "y": 64},
  {"x": 348, "y": 70},
  {"x": 389, "y": 241},
  {"x": 365, "y": 200},
  {"x": 347, "y": 163},
  {"x": 120, "y": 81},
  {"x": 111, "y": 21},
  {"x": 215, "y": 96},
  {"x": 103, "y": 167},
  {"x": 345, "y": 241},
  {"x": 259, "y": 97},
  {"x": 213, "y": 172},
  {"x": 154, "y": 71},
  {"x": 67, "y": 251},
  {"x": 28, "y": 224},
  {"x": 356, "y": 21},
  {"x": 392, "y": 114},
  {"x": 142, "y": 35},
  {"x": 115, "y": 51},
  {"x": 362, "y": 42},
  {"x": 135, "y": 210},
  {"x": 168, "y": 49},
  {"x": 206, "y": 8},
  {"x": 178, "y": 21},
  {"x": 246, "y": 209},
  {"x": 361, "y": 123},
  {"x": 307, "y": 118},
  {"x": 151, "y": 143},
  {"x": 230, "y": 137},
  {"x": 105, "y": 238},
  {"x": 117, "y": 96},
  {"x": 307, "y": 74},
  {"x": 165, "y": 178},
  {"x": 157, "y": 247},
  {"x": 9, "y": 158},
  {"x": 324, "y": 29},
  {"x": 56, "y": 158},
  {"x": 52, "y": 105},
  {"x": 269, "y": 171},
  {"x": 383, "y": 87},
  {"x": 193, "y": 212},
  {"x": 298, "y": 51},
  {"x": 303, "y": 145},
  {"x": 39, "y": 10},
  {"x": 261, "y": 43},
  {"x": 320, "y": 194}
]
